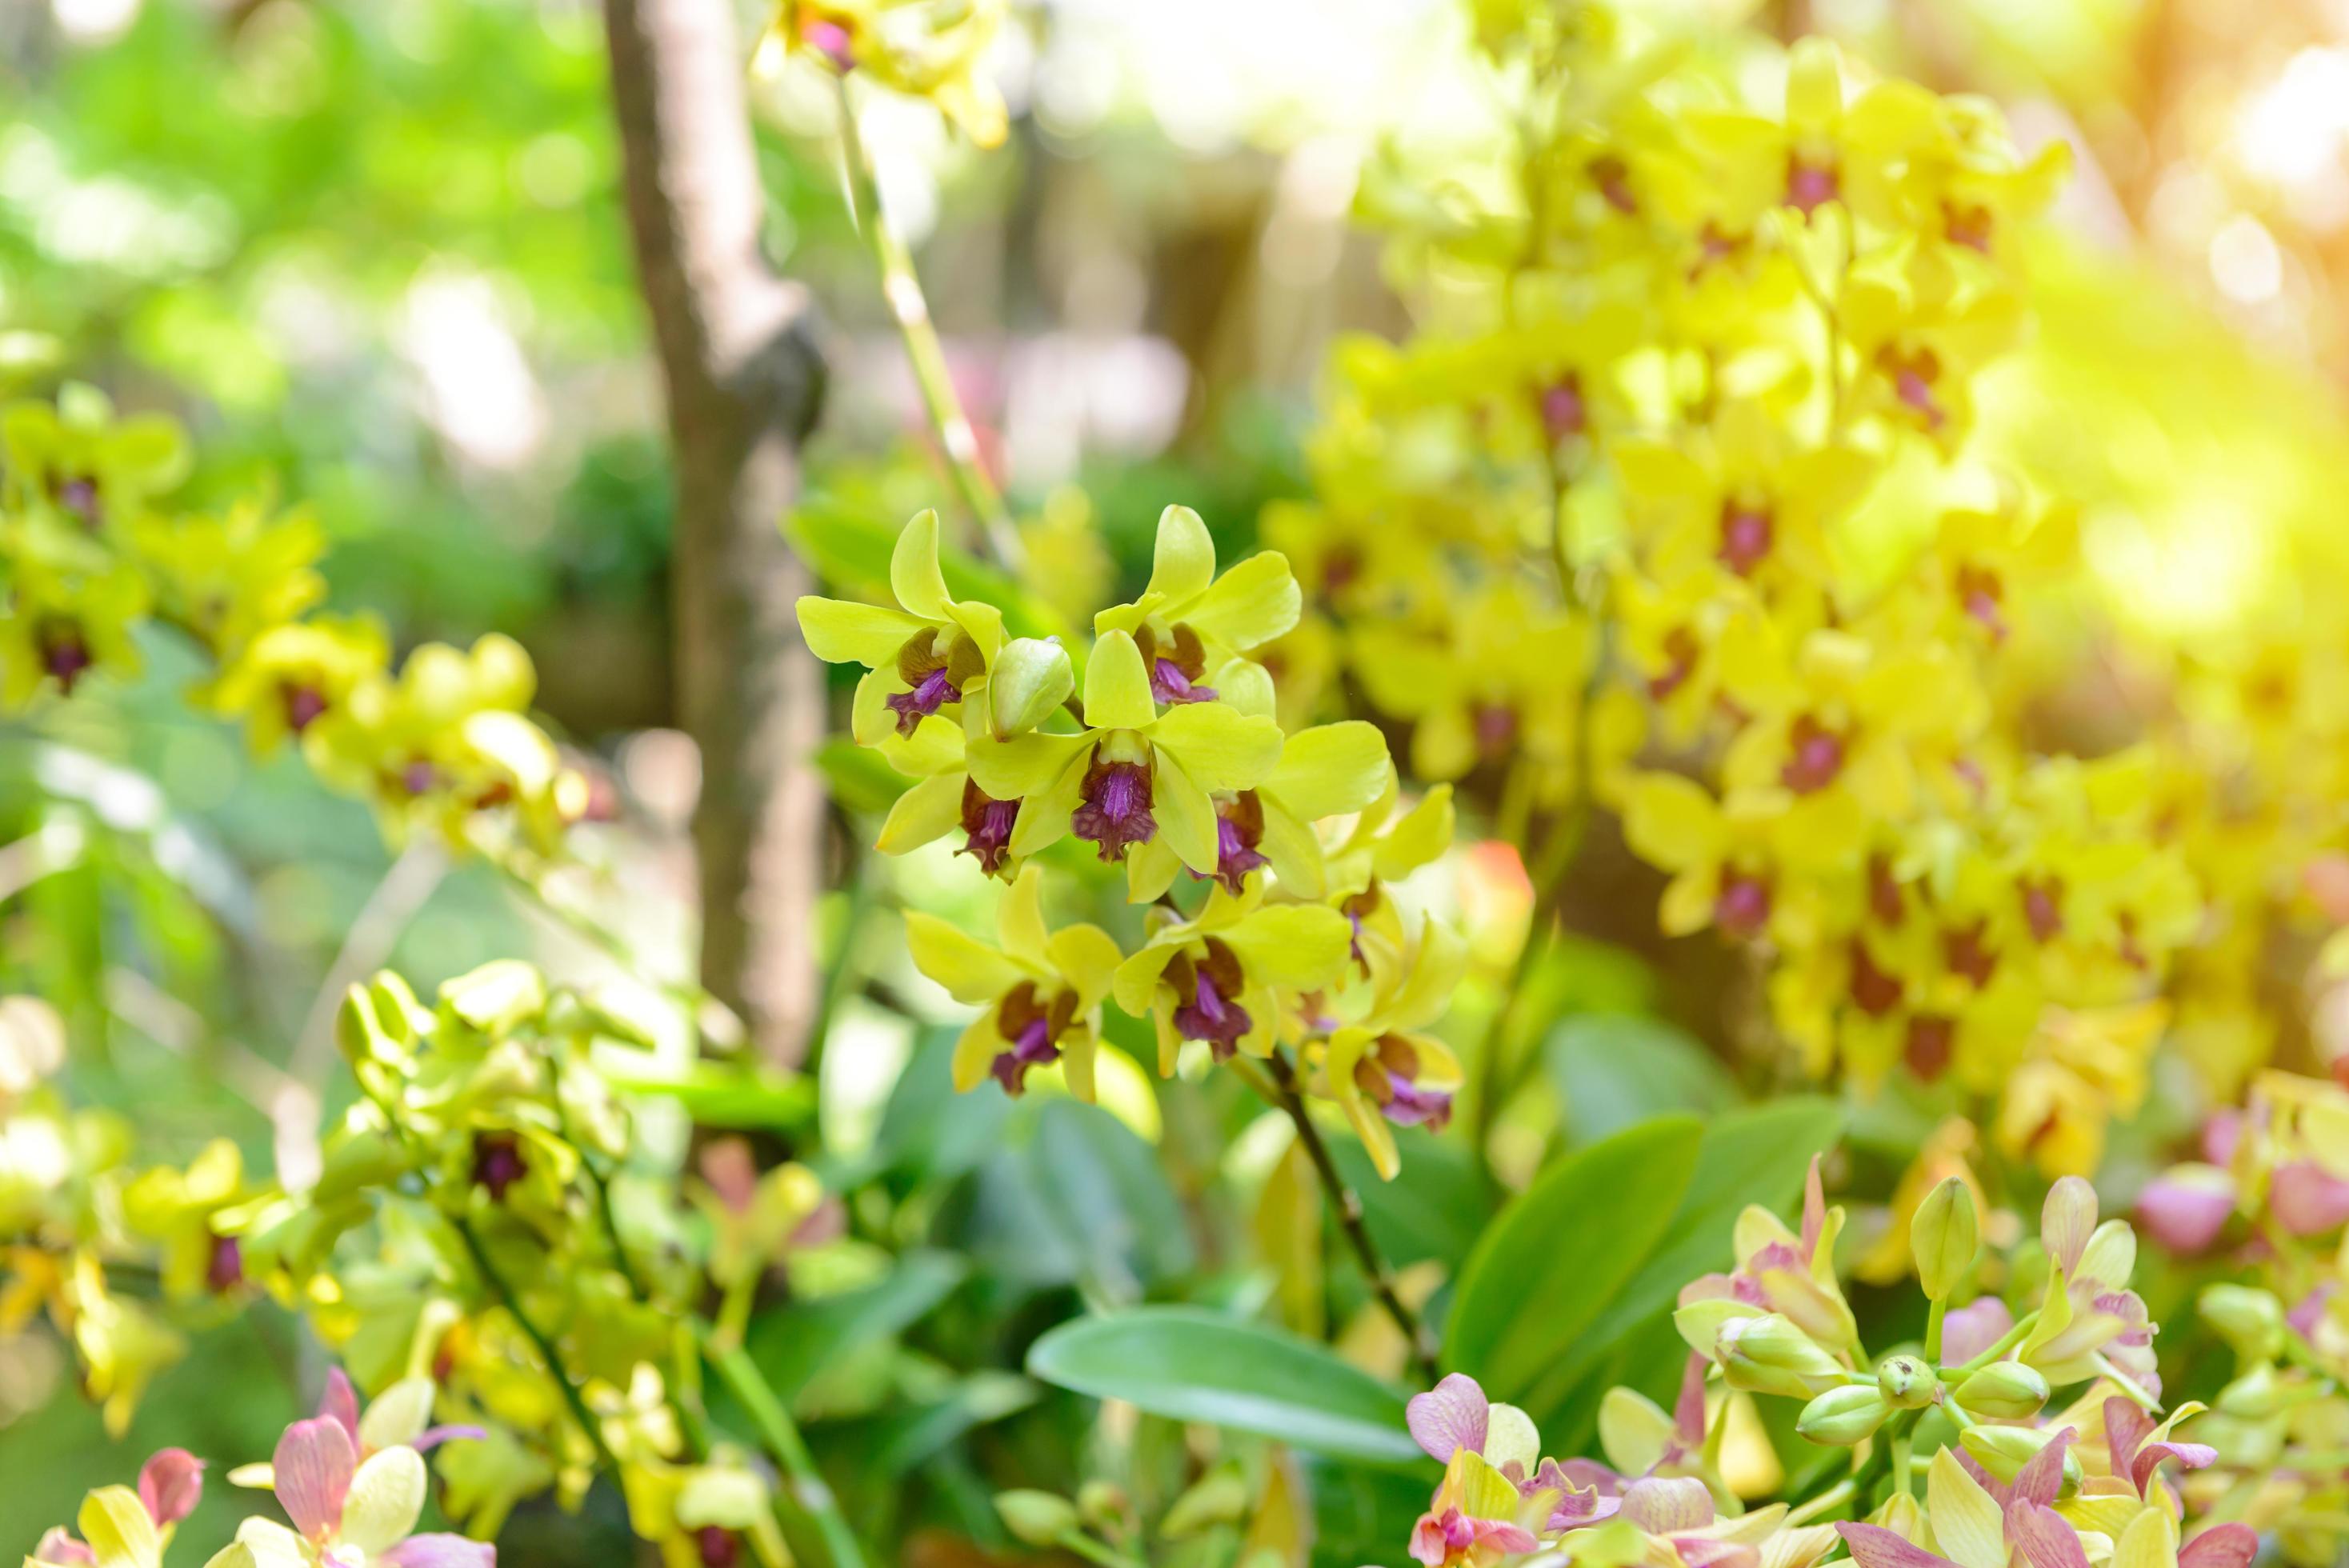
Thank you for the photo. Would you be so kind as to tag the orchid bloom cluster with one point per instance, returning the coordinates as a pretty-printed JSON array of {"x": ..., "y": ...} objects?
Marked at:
[
  {"x": 1265, "y": 853},
  {"x": 2270, "y": 1198},
  {"x": 91, "y": 553},
  {"x": 1669, "y": 504},
  {"x": 2033, "y": 1437},
  {"x": 483, "y": 1244},
  {"x": 351, "y": 1485}
]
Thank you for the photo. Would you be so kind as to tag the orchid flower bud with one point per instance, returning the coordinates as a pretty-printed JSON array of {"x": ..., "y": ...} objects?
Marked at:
[
  {"x": 2004, "y": 1451},
  {"x": 1843, "y": 1416},
  {"x": 1768, "y": 1355},
  {"x": 1907, "y": 1383},
  {"x": 2250, "y": 1321},
  {"x": 2004, "y": 1390},
  {"x": 1944, "y": 1238},
  {"x": 1035, "y": 1518}
]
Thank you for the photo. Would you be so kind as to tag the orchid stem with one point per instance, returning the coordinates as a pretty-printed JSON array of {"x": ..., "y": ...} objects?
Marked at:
[
  {"x": 1350, "y": 1218},
  {"x": 781, "y": 1439},
  {"x": 901, "y": 290},
  {"x": 571, "y": 1396}
]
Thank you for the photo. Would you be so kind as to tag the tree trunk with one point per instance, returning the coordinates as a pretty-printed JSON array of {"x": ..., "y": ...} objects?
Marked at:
[{"x": 744, "y": 379}]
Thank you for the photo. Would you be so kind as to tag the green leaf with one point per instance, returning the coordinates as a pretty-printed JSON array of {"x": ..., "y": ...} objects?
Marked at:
[
  {"x": 1360, "y": 1515},
  {"x": 792, "y": 1345},
  {"x": 1105, "y": 1200},
  {"x": 1614, "y": 1070},
  {"x": 717, "y": 1094},
  {"x": 1190, "y": 1365},
  {"x": 861, "y": 779},
  {"x": 912, "y": 1436},
  {"x": 1433, "y": 1209},
  {"x": 1544, "y": 1270},
  {"x": 1757, "y": 1155}
]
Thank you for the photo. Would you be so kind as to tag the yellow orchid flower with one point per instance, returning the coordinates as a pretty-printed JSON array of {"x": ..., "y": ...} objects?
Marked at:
[
  {"x": 1212, "y": 977},
  {"x": 1042, "y": 989},
  {"x": 935, "y": 657},
  {"x": 1383, "y": 1069},
  {"x": 1189, "y": 620},
  {"x": 1134, "y": 771}
]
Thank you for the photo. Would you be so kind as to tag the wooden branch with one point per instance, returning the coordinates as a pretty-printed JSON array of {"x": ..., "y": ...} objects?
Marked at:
[{"x": 744, "y": 380}]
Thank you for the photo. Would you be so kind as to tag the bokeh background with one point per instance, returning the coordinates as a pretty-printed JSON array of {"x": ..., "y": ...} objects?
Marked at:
[{"x": 372, "y": 253}]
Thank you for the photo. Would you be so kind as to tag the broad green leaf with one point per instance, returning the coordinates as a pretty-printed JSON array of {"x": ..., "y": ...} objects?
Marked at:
[
  {"x": 1543, "y": 1272},
  {"x": 1105, "y": 1197},
  {"x": 792, "y": 1345},
  {"x": 1433, "y": 1209},
  {"x": 1191, "y": 1365},
  {"x": 1757, "y": 1155},
  {"x": 1612, "y": 1070}
]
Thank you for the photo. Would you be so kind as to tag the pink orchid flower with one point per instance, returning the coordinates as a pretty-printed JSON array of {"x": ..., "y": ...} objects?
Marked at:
[{"x": 170, "y": 1484}]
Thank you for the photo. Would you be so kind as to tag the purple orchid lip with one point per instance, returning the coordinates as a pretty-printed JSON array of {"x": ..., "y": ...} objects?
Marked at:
[
  {"x": 1612, "y": 176},
  {"x": 831, "y": 40},
  {"x": 65, "y": 654},
  {"x": 1913, "y": 377},
  {"x": 1810, "y": 186},
  {"x": 79, "y": 495},
  {"x": 715, "y": 1546},
  {"x": 1496, "y": 729},
  {"x": 1170, "y": 685},
  {"x": 1742, "y": 908},
  {"x": 498, "y": 1163},
  {"x": 936, "y": 666},
  {"x": 1034, "y": 1032},
  {"x": 1114, "y": 807},
  {"x": 224, "y": 1265},
  {"x": 1177, "y": 664},
  {"x": 305, "y": 705},
  {"x": 1388, "y": 1074},
  {"x": 418, "y": 777},
  {"x": 933, "y": 692},
  {"x": 1207, "y": 993},
  {"x": 986, "y": 824},
  {"x": 1816, "y": 756},
  {"x": 2042, "y": 908},
  {"x": 1747, "y": 533},
  {"x": 1239, "y": 828},
  {"x": 1564, "y": 412}
]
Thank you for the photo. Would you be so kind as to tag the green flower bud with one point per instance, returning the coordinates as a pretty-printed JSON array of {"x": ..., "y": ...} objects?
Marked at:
[
  {"x": 2253, "y": 1397},
  {"x": 1700, "y": 1323},
  {"x": 1035, "y": 1518},
  {"x": 1768, "y": 1355},
  {"x": 1907, "y": 1383},
  {"x": 1219, "y": 1497},
  {"x": 2250, "y": 1446},
  {"x": 1030, "y": 678},
  {"x": 2004, "y": 1451},
  {"x": 1943, "y": 1237},
  {"x": 1103, "y": 1504},
  {"x": 2250, "y": 1321},
  {"x": 1842, "y": 1416},
  {"x": 2004, "y": 1390}
]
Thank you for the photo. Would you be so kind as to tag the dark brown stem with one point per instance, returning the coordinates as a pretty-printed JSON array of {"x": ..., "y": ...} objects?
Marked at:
[
  {"x": 744, "y": 380},
  {"x": 1348, "y": 1205}
]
